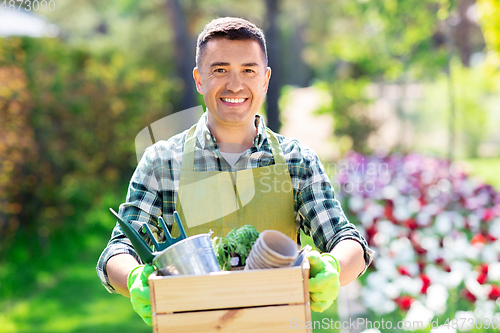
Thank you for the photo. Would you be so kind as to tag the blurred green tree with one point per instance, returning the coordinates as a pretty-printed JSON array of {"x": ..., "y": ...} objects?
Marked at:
[
  {"x": 352, "y": 45},
  {"x": 69, "y": 120}
]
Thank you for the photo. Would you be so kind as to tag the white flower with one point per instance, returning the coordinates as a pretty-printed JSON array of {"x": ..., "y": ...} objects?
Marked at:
[
  {"x": 386, "y": 267},
  {"x": 376, "y": 280},
  {"x": 458, "y": 220},
  {"x": 495, "y": 228},
  {"x": 437, "y": 296},
  {"x": 453, "y": 279},
  {"x": 475, "y": 287},
  {"x": 414, "y": 205},
  {"x": 356, "y": 203},
  {"x": 376, "y": 301},
  {"x": 427, "y": 177},
  {"x": 423, "y": 218},
  {"x": 417, "y": 313},
  {"x": 474, "y": 222},
  {"x": 392, "y": 290},
  {"x": 494, "y": 271},
  {"x": 409, "y": 285},
  {"x": 386, "y": 227},
  {"x": 389, "y": 192},
  {"x": 489, "y": 254},
  {"x": 465, "y": 317},
  {"x": 485, "y": 309},
  {"x": 443, "y": 224},
  {"x": 431, "y": 209},
  {"x": 387, "y": 306},
  {"x": 401, "y": 212},
  {"x": 430, "y": 243},
  {"x": 463, "y": 267},
  {"x": 402, "y": 250},
  {"x": 435, "y": 274},
  {"x": 444, "y": 185}
]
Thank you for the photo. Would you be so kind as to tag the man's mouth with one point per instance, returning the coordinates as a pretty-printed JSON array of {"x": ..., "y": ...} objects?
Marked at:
[{"x": 233, "y": 100}]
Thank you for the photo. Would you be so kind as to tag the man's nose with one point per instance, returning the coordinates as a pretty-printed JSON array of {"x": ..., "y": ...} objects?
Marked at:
[{"x": 234, "y": 83}]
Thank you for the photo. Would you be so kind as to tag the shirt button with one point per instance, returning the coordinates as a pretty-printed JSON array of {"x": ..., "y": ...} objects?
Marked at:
[{"x": 208, "y": 136}]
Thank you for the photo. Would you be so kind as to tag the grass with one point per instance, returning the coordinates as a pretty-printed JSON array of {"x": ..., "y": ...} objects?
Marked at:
[
  {"x": 68, "y": 298},
  {"x": 486, "y": 170},
  {"x": 58, "y": 290}
]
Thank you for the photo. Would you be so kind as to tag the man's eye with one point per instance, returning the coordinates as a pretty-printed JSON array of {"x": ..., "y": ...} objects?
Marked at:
[
  {"x": 220, "y": 70},
  {"x": 249, "y": 70}
]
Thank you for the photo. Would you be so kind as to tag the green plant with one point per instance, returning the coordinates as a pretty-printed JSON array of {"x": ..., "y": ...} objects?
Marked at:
[{"x": 237, "y": 242}]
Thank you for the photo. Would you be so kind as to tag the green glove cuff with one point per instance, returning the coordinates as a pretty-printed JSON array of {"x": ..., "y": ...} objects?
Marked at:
[
  {"x": 133, "y": 275},
  {"x": 145, "y": 270},
  {"x": 332, "y": 260}
]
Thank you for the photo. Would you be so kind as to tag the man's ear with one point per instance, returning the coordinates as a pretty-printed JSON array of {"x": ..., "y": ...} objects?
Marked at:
[
  {"x": 268, "y": 77},
  {"x": 197, "y": 80}
]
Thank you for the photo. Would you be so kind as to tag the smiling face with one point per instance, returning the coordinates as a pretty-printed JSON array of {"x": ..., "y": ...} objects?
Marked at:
[{"x": 233, "y": 80}]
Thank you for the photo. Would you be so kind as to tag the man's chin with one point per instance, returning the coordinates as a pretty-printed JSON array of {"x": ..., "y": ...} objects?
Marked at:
[{"x": 233, "y": 117}]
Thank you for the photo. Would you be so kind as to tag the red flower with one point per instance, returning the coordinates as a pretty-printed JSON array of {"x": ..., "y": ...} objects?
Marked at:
[
  {"x": 494, "y": 292},
  {"x": 482, "y": 278},
  {"x": 483, "y": 268},
  {"x": 411, "y": 224},
  {"x": 421, "y": 264},
  {"x": 404, "y": 271},
  {"x": 426, "y": 282},
  {"x": 478, "y": 239},
  {"x": 465, "y": 293},
  {"x": 370, "y": 234},
  {"x": 404, "y": 302},
  {"x": 490, "y": 238},
  {"x": 488, "y": 215},
  {"x": 388, "y": 211},
  {"x": 419, "y": 249}
]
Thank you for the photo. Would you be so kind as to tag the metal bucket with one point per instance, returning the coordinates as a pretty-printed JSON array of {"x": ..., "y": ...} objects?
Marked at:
[{"x": 191, "y": 256}]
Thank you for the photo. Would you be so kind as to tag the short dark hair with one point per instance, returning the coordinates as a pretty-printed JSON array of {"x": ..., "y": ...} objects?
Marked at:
[{"x": 232, "y": 28}]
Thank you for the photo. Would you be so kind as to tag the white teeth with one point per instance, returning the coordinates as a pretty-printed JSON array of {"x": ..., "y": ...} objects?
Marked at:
[{"x": 233, "y": 100}]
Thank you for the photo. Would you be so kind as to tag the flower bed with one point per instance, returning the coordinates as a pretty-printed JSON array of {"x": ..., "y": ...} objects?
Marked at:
[{"x": 435, "y": 231}]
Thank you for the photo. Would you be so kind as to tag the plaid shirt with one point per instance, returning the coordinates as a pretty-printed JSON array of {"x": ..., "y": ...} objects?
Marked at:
[{"x": 153, "y": 190}]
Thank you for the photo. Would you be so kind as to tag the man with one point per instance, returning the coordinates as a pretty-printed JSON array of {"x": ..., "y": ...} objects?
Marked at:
[{"x": 230, "y": 170}]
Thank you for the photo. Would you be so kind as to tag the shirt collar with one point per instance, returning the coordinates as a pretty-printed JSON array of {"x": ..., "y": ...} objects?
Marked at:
[{"x": 206, "y": 139}]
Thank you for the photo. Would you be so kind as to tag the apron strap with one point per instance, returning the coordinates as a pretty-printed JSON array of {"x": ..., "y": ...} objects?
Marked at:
[
  {"x": 188, "y": 163},
  {"x": 279, "y": 158}
]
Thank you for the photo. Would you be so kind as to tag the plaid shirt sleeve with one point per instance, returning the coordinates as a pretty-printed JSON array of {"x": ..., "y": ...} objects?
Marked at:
[{"x": 318, "y": 212}]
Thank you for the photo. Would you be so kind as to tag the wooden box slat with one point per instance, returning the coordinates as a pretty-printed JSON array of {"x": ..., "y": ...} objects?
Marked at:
[
  {"x": 272, "y": 319},
  {"x": 224, "y": 290},
  {"x": 237, "y": 301}
]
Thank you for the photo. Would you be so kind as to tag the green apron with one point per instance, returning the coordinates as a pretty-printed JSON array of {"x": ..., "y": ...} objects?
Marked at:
[{"x": 221, "y": 201}]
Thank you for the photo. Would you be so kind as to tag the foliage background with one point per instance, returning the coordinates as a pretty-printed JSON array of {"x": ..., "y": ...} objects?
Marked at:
[{"x": 70, "y": 108}]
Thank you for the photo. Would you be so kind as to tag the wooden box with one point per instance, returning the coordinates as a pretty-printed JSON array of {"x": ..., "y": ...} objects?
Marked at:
[{"x": 264, "y": 300}]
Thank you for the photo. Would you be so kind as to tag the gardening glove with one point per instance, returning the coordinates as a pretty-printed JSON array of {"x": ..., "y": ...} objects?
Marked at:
[
  {"x": 324, "y": 281},
  {"x": 137, "y": 284}
]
